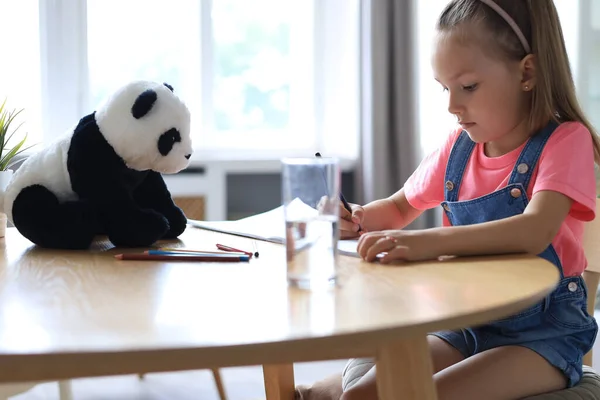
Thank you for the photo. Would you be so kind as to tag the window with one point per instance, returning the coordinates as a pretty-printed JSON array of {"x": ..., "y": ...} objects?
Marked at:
[
  {"x": 20, "y": 67},
  {"x": 146, "y": 40},
  {"x": 263, "y": 79},
  {"x": 587, "y": 20},
  {"x": 242, "y": 67},
  {"x": 260, "y": 88},
  {"x": 252, "y": 64}
]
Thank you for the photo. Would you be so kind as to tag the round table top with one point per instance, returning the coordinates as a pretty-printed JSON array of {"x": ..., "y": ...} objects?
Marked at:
[{"x": 68, "y": 302}]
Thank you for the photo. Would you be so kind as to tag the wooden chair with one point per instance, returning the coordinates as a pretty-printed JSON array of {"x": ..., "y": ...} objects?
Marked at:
[
  {"x": 591, "y": 245},
  {"x": 8, "y": 390}
]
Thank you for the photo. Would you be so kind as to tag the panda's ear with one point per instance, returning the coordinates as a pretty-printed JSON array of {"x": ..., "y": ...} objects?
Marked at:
[
  {"x": 169, "y": 86},
  {"x": 143, "y": 104}
]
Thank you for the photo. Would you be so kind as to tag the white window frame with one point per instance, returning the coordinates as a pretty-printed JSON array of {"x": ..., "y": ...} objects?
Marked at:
[{"x": 327, "y": 122}]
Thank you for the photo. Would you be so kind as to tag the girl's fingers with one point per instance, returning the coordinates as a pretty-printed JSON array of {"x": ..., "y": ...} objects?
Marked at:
[
  {"x": 395, "y": 254},
  {"x": 345, "y": 214},
  {"x": 348, "y": 226}
]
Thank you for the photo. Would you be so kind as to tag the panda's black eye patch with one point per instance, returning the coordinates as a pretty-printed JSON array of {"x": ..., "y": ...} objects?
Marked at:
[
  {"x": 169, "y": 86},
  {"x": 143, "y": 104},
  {"x": 167, "y": 140}
]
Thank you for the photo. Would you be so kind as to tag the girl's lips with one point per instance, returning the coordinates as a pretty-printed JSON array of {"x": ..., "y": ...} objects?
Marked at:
[{"x": 467, "y": 125}]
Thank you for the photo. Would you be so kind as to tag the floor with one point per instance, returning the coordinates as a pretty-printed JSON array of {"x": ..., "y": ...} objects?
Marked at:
[{"x": 241, "y": 383}]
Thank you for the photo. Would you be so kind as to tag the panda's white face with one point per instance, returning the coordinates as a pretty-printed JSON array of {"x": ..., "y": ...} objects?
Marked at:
[{"x": 148, "y": 126}]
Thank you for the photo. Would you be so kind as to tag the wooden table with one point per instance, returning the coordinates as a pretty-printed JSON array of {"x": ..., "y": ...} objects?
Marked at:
[{"x": 69, "y": 314}]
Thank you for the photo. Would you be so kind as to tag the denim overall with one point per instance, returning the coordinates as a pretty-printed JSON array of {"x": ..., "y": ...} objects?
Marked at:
[{"x": 558, "y": 327}]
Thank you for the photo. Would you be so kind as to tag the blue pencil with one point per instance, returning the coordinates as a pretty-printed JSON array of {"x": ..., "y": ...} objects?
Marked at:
[{"x": 241, "y": 257}]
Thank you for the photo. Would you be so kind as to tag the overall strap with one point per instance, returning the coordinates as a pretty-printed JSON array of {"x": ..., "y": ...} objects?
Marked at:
[
  {"x": 457, "y": 162},
  {"x": 530, "y": 155}
]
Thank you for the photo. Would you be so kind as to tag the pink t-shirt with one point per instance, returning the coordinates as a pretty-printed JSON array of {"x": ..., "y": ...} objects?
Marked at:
[{"x": 566, "y": 165}]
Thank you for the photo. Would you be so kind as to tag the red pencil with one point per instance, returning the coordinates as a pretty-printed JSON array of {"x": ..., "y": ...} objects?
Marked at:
[
  {"x": 182, "y": 257},
  {"x": 229, "y": 248}
]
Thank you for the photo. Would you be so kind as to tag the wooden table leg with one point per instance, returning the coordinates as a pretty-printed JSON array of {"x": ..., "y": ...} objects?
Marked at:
[
  {"x": 219, "y": 383},
  {"x": 405, "y": 371},
  {"x": 279, "y": 381}
]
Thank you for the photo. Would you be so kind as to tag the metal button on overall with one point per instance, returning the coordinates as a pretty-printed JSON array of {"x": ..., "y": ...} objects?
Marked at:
[
  {"x": 522, "y": 168},
  {"x": 449, "y": 185},
  {"x": 515, "y": 192},
  {"x": 572, "y": 286}
]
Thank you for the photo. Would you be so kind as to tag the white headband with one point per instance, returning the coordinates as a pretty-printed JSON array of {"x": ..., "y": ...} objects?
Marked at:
[{"x": 492, "y": 4}]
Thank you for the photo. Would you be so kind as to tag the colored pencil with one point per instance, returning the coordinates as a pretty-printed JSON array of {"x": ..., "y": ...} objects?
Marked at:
[
  {"x": 181, "y": 257},
  {"x": 232, "y": 249},
  {"x": 195, "y": 253},
  {"x": 189, "y": 251}
]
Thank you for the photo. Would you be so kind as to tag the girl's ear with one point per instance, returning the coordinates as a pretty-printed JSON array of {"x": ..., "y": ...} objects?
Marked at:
[{"x": 528, "y": 72}]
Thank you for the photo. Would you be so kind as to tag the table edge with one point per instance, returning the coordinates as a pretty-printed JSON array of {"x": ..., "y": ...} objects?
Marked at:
[{"x": 64, "y": 365}]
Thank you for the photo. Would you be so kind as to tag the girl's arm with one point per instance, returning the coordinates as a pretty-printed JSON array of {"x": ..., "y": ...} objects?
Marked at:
[
  {"x": 394, "y": 212},
  {"x": 530, "y": 232}
]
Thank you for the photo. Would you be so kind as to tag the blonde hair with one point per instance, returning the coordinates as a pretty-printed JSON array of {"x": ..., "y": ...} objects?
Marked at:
[{"x": 553, "y": 96}]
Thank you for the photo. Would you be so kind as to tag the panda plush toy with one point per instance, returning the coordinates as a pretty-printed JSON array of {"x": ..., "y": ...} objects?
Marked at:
[{"x": 104, "y": 177}]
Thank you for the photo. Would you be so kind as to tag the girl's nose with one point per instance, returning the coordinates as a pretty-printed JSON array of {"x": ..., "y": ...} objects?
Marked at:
[{"x": 454, "y": 106}]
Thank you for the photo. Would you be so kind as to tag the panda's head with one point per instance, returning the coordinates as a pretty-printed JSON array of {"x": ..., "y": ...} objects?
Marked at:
[{"x": 148, "y": 126}]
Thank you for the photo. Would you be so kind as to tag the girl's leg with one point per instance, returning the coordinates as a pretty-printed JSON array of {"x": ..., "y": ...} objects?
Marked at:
[
  {"x": 503, "y": 373},
  {"x": 443, "y": 355},
  {"x": 508, "y": 372}
]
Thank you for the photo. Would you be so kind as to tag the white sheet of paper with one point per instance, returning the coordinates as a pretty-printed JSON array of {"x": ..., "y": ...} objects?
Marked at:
[
  {"x": 268, "y": 226},
  {"x": 347, "y": 247}
]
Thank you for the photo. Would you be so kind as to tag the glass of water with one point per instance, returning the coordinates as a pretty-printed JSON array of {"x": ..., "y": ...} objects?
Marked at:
[{"x": 310, "y": 196}]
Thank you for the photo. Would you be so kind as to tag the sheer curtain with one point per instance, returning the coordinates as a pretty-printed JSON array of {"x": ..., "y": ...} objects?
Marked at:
[{"x": 390, "y": 141}]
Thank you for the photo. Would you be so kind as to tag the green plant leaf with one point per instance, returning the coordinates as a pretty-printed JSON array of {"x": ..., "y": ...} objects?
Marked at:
[
  {"x": 7, "y": 132},
  {"x": 11, "y": 154},
  {"x": 10, "y": 136},
  {"x": 2, "y": 106}
]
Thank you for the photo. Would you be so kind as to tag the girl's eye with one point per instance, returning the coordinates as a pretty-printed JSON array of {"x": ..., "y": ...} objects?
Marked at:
[
  {"x": 445, "y": 89},
  {"x": 470, "y": 88}
]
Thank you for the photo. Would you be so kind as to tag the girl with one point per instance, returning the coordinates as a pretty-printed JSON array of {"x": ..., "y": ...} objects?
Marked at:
[{"x": 516, "y": 176}]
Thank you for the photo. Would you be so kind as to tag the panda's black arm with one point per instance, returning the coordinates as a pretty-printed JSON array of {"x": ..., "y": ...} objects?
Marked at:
[{"x": 153, "y": 193}]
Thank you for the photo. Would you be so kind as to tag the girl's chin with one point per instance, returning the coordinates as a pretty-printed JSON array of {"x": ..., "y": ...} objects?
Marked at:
[{"x": 475, "y": 135}]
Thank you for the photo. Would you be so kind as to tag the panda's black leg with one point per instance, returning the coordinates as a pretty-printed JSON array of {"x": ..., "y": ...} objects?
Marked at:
[
  {"x": 153, "y": 193},
  {"x": 39, "y": 216}
]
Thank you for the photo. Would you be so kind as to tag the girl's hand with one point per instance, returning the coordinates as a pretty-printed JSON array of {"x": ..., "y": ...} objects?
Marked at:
[
  {"x": 351, "y": 223},
  {"x": 397, "y": 245}
]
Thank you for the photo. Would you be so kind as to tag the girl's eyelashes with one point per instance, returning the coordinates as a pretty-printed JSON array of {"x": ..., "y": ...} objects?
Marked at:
[{"x": 470, "y": 88}]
